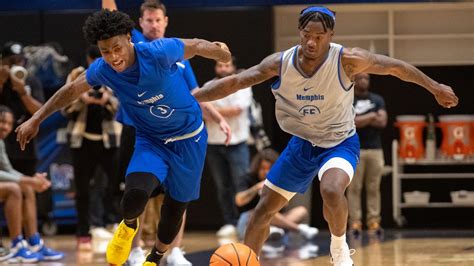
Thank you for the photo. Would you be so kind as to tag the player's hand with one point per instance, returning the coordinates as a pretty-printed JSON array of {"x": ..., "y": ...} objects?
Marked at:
[
  {"x": 445, "y": 96},
  {"x": 227, "y": 131},
  {"x": 26, "y": 131},
  {"x": 222, "y": 45}
]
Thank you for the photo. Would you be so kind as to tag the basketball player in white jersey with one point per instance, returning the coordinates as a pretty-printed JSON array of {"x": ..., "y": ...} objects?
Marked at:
[{"x": 314, "y": 96}]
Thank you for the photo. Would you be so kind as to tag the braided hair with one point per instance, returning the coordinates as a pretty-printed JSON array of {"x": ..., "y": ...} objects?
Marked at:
[{"x": 317, "y": 14}]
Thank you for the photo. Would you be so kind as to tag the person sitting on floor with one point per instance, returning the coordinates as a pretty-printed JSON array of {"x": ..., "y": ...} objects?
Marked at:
[{"x": 247, "y": 197}]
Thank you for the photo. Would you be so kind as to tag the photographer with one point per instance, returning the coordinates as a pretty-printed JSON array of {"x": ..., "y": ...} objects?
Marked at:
[
  {"x": 23, "y": 94},
  {"x": 94, "y": 137}
]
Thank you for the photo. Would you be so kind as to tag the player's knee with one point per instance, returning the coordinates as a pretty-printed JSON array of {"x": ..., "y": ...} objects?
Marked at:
[
  {"x": 171, "y": 219},
  {"x": 133, "y": 203},
  {"x": 331, "y": 193}
]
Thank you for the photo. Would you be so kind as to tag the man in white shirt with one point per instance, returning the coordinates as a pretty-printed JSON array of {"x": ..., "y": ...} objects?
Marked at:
[{"x": 229, "y": 162}]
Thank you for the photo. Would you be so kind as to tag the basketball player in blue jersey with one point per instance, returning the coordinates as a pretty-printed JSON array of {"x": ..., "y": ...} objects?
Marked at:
[
  {"x": 171, "y": 138},
  {"x": 153, "y": 22},
  {"x": 314, "y": 99}
]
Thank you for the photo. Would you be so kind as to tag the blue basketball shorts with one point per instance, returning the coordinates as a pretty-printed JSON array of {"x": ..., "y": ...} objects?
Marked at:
[
  {"x": 178, "y": 164},
  {"x": 300, "y": 162}
]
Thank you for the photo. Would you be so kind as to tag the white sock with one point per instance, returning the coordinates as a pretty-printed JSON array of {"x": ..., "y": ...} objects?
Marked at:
[{"x": 338, "y": 241}]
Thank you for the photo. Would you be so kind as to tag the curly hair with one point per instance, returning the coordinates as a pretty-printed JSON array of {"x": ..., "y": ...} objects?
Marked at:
[{"x": 106, "y": 24}]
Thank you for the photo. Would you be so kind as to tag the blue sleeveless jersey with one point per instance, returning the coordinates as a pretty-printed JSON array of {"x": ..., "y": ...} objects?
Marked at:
[{"x": 152, "y": 92}]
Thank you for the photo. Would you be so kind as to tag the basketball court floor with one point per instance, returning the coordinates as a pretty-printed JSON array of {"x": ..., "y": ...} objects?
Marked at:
[{"x": 397, "y": 247}]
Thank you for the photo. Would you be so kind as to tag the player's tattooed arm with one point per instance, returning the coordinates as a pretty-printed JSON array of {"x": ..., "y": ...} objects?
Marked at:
[
  {"x": 268, "y": 68},
  {"x": 212, "y": 50},
  {"x": 63, "y": 97},
  {"x": 357, "y": 60}
]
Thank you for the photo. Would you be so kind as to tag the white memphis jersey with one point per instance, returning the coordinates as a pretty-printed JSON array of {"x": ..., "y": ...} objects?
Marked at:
[{"x": 317, "y": 108}]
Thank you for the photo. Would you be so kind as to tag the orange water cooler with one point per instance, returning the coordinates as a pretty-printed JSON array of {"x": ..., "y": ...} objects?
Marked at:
[
  {"x": 457, "y": 135},
  {"x": 411, "y": 136},
  {"x": 472, "y": 135}
]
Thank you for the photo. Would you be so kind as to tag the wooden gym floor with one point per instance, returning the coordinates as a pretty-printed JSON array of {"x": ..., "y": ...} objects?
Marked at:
[{"x": 399, "y": 247}]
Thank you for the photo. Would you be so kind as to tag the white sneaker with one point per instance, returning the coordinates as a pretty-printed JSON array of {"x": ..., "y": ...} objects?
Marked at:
[
  {"x": 136, "y": 257},
  {"x": 227, "y": 230},
  {"x": 342, "y": 256},
  {"x": 307, "y": 231},
  {"x": 176, "y": 258},
  {"x": 276, "y": 233},
  {"x": 101, "y": 233},
  {"x": 308, "y": 251},
  {"x": 272, "y": 252}
]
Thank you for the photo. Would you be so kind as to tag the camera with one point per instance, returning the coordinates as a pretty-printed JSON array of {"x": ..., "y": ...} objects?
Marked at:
[
  {"x": 19, "y": 72},
  {"x": 95, "y": 94}
]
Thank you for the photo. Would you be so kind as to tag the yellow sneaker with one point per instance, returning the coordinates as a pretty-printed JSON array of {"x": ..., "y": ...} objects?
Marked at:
[
  {"x": 119, "y": 247},
  {"x": 149, "y": 263}
]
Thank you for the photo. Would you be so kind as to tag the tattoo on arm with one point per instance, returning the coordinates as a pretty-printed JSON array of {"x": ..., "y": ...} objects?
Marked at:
[
  {"x": 268, "y": 68},
  {"x": 357, "y": 60},
  {"x": 63, "y": 97}
]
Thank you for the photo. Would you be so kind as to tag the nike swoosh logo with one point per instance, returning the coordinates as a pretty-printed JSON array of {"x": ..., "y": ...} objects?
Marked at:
[
  {"x": 141, "y": 94},
  {"x": 307, "y": 89},
  {"x": 196, "y": 140}
]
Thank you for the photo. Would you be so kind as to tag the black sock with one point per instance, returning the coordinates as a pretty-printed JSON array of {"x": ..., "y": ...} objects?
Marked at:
[
  {"x": 131, "y": 223},
  {"x": 155, "y": 256}
]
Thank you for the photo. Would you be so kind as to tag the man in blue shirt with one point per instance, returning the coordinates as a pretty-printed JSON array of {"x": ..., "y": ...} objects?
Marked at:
[
  {"x": 153, "y": 23},
  {"x": 171, "y": 139}
]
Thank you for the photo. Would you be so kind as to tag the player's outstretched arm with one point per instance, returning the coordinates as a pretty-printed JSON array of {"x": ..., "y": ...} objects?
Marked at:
[
  {"x": 109, "y": 4},
  {"x": 63, "y": 97},
  {"x": 357, "y": 60},
  {"x": 217, "y": 89},
  {"x": 212, "y": 50}
]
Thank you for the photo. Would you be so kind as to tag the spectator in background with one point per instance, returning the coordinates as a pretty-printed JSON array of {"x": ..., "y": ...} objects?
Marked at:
[
  {"x": 24, "y": 97},
  {"x": 93, "y": 135},
  {"x": 229, "y": 162},
  {"x": 248, "y": 194},
  {"x": 370, "y": 119},
  {"x": 17, "y": 193}
]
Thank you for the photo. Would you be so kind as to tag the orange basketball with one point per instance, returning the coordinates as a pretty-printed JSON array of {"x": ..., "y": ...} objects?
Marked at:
[{"x": 234, "y": 254}]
